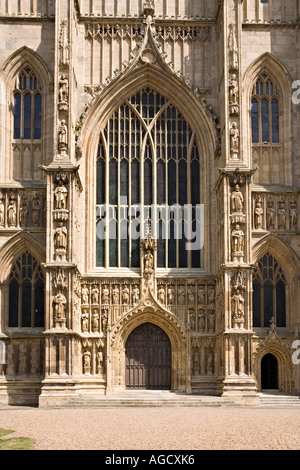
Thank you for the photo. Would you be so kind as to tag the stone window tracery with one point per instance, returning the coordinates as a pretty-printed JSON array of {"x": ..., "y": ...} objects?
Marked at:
[
  {"x": 26, "y": 293},
  {"x": 27, "y": 124},
  {"x": 269, "y": 294},
  {"x": 148, "y": 155}
]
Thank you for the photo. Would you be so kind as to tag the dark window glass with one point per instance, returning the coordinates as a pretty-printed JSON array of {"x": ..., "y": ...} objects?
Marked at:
[
  {"x": 26, "y": 303},
  {"x": 17, "y": 116},
  {"x": 254, "y": 115},
  {"x": 37, "y": 116},
  {"x": 39, "y": 304},
  {"x": 256, "y": 305},
  {"x": 27, "y": 116},
  {"x": 13, "y": 303},
  {"x": 280, "y": 304},
  {"x": 275, "y": 121},
  {"x": 265, "y": 120}
]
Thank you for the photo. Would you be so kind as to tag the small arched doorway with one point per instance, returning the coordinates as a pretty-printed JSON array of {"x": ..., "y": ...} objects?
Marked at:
[
  {"x": 269, "y": 372},
  {"x": 148, "y": 359}
]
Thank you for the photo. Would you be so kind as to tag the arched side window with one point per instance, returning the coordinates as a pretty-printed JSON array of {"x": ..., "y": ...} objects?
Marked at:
[
  {"x": 27, "y": 125},
  {"x": 265, "y": 130},
  {"x": 26, "y": 293},
  {"x": 269, "y": 294},
  {"x": 148, "y": 157}
]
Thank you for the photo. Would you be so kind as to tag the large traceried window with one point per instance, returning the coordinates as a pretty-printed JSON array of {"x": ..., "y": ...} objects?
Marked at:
[
  {"x": 26, "y": 293},
  {"x": 27, "y": 124},
  {"x": 148, "y": 157},
  {"x": 269, "y": 294},
  {"x": 265, "y": 127}
]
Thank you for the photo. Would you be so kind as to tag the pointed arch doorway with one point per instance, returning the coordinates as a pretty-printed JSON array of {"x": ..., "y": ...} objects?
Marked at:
[
  {"x": 148, "y": 359},
  {"x": 269, "y": 372}
]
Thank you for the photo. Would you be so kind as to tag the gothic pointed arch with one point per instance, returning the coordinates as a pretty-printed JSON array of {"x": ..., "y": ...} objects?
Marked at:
[
  {"x": 147, "y": 77},
  {"x": 267, "y": 116},
  {"x": 14, "y": 248},
  {"x": 27, "y": 82},
  {"x": 286, "y": 267}
]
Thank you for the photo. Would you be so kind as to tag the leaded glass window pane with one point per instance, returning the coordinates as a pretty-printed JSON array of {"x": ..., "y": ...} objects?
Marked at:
[{"x": 152, "y": 157}]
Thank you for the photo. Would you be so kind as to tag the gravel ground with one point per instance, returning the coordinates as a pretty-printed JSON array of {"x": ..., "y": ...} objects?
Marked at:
[{"x": 157, "y": 428}]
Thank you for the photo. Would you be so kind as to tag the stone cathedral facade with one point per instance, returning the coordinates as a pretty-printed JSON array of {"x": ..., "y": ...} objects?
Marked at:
[{"x": 115, "y": 114}]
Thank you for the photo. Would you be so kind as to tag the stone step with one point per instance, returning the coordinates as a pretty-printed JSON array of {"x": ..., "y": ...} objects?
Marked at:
[{"x": 279, "y": 400}]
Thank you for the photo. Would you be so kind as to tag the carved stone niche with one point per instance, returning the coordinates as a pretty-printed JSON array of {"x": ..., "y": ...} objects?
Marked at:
[
  {"x": 61, "y": 213},
  {"x": 238, "y": 288}
]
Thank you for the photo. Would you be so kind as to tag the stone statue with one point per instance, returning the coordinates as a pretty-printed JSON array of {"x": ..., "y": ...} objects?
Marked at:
[
  {"x": 125, "y": 295},
  {"x": 281, "y": 215},
  {"x": 12, "y": 212},
  {"x": 60, "y": 304},
  {"x": 61, "y": 194},
  {"x": 63, "y": 136},
  {"x": 234, "y": 139},
  {"x": 116, "y": 296},
  {"x": 258, "y": 214},
  {"x": 170, "y": 296},
  {"x": 86, "y": 362},
  {"x": 95, "y": 321},
  {"x": 135, "y": 295},
  {"x": 63, "y": 89},
  {"x": 105, "y": 295},
  {"x": 85, "y": 295},
  {"x": 2, "y": 212},
  {"x": 161, "y": 295},
  {"x": 238, "y": 306},
  {"x": 237, "y": 200},
  {"x": 238, "y": 237},
  {"x": 61, "y": 237},
  {"x": 293, "y": 215},
  {"x": 85, "y": 322},
  {"x": 95, "y": 295},
  {"x": 270, "y": 215}
]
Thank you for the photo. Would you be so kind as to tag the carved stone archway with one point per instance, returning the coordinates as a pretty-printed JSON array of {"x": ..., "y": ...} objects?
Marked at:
[
  {"x": 282, "y": 351},
  {"x": 150, "y": 311}
]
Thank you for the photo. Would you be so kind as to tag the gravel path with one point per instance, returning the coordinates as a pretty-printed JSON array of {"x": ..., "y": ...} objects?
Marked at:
[{"x": 157, "y": 428}]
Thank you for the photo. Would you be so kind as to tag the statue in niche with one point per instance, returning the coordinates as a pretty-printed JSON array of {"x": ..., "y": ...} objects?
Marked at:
[
  {"x": 201, "y": 321},
  {"x": 99, "y": 363},
  {"x": 115, "y": 296},
  {"x": 238, "y": 306},
  {"x": 63, "y": 89},
  {"x": 171, "y": 295},
  {"x": 85, "y": 295},
  {"x": 63, "y": 136},
  {"x": 12, "y": 212},
  {"x": 191, "y": 296},
  {"x": 95, "y": 321},
  {"x": 148, "y": 261},
  {"x": 60, "y": 305},
  {"x": 125, "y": 295},
  {"x": 135, "y": 295},
  {"x": 24, "y": 212},
  {"x": 36, "y": 210},
  {"x": 61, "y": 237},
  {"x": 270, "y": 214},
  {"x": 192, "y": 320},
  {"x": 258, "y": 214},
  {"x": 85, "y": 322},
  {"x": 293, "y": 215},
  {"x": 95, "y": 295},
  {"x": 181, "y": 295},
  {"x": 211, "y": 296},
  {"x": 234, "y": 139},
  {"x": 86, "y": 362},
  {"x": 201, "y": 296},
  {"x": 105, "y": 295},
  {"x": 281, "y": 215},
  {"x": 211, "y": 322},
  {"x": 61, "y": 194},
  {"x": 2, "y": 211},
  {"x": 233, "y": 94},
  {"x": 238, "y": 242},
  {"x": 161, "y": 295},
  {"x": 237, "y": 200}
]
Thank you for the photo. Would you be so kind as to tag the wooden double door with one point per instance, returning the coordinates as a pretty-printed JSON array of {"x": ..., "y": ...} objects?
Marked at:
[{"x": 148, "y": 359}]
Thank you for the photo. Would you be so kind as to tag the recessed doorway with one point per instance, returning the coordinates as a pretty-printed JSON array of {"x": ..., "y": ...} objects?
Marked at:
[{"x": 269, "y": 372}]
